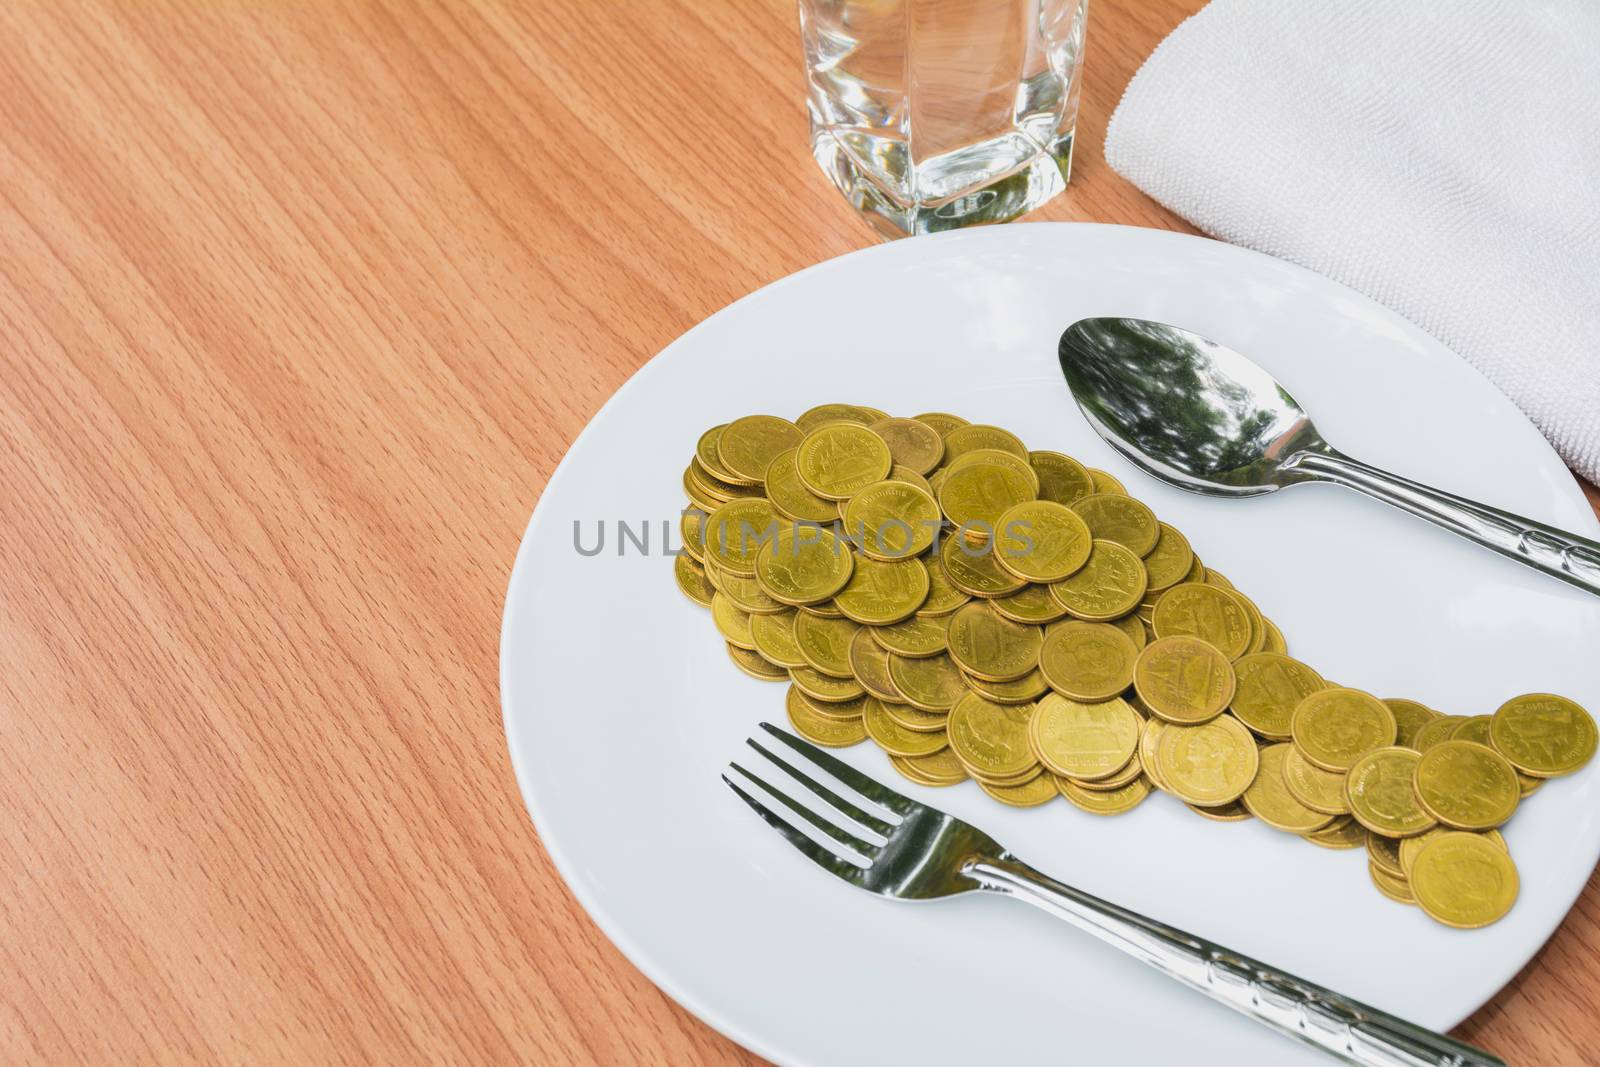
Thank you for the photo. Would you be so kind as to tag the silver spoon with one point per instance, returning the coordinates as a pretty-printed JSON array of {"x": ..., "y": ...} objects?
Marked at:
[{"x": 1204, "y": 418}]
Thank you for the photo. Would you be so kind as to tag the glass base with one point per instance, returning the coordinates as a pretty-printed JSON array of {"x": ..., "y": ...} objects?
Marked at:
[{"x": 1021, "y": 189}]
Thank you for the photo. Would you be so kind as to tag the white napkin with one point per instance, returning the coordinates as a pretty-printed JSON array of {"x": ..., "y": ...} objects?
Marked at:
[{"x": 1443, "y": 158}]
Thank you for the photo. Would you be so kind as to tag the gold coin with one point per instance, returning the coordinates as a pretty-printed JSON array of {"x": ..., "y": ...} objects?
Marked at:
[
  {"x": 1122, "y": 775},
  {"x": 824, "y": 644},
  {"x": 917, "y": 636},
  {"x": 823, "y": 414},
  {"x": 1314, "y": 787},
  {"x": 737, "y": 531},
  {"x": 1184, "y": 679},
  {"x": 1384, "y": 854},
  {"x": 1381, "y": 798},
  {"x": 692, "y": 532},
  {"x": 1041, "y": 541},
  {"x": 1103, "y": 482},
  {"x": 1475, "y": 729},
  {"x": 1213, "y": 614},
  {"x": 1396, "y": 889},
  {"x": 1409, "y": 717},
  {"x": 1149, "y": 738},
  {"x": 992, "y": 648},
  {"x": 710, "y": 485},
  {"x": 747, "y": 594},
  {"x": 1083, "y": 740},
  {"x": 997, "y": 457},
  {"x": 915, "y": 719},
  {"x": 1543, "y": 735},
  {"x": 775, "y": 640},
  {"x": 1233, "y": 811},
  {"x": 824, "y": 687},
  {"x": 1062, "y": 479},
  {"x": 1023, "y": 778},
  {"x": 941, "y": 768},
  {"x": 1119, "y": 518},
  {"x": 1030, "y": 794},
  {"x": 697, "y": 493},
  {"x": 973, "y": 436},
  {"x": 898, "y": 473},
  {"x": 747, "y": 445},
  {"x": 869, "y": 663},
  {"x": 1268, "y": 797},
  {"x": 1209, "y": 764},
  {"x": 830, "y": 733},
  {"x": 789, "y": 495},
  {"x": 1031, "y": 604},
  {"x": 991, "y": 739},
  {"x": 912, "y": 444},
  {"x": 692, "y": 580},
  {"x": 932, "y": 683},
  {"x": 1109, "y": 584},
  {"x": 1169, "y": 562},
  {"x": 803, "y": 564},
  {"x": 1270, "y": 686},
  {"x": 892, "y": 520},
  {"x": 1464, "y": 880},
  {"x": 731, "y": 623},
  {"x": 1028, "y": 688},
  {"x": 942, "y": 421},
  {"x": 838, "y": 459},
  {"x": 974, "y": 496},
  {"x": 1105, "y": 802},
  {"x": 943, "y": 596},
  {"x": 896, "y": 739},
  {"x": 840, "y": 710},
  {"x": 941, "y": 763},
  {"x": 1258, "y": 623},
  {"x": 1342, "y": 832},
  {"x": 757, "y": 667},
  {"x": 1218, "y": 579},
  {"x": 881, "y": 593},
  {"x": 824, "y": 609},
  {"x": 1130, "y": 625},
  {"x": 1087, "y": 661},
  {"x": 705, "y": 450},
  {"x": 975, "y": 571},
  {"x": 1273, "y": 641},
  {"x": 1466, "y": 786},
  {"x": 1412, "y": 845},
  {"x": 1334, "y": 727},
  {"x": 1436, "y": 730}
]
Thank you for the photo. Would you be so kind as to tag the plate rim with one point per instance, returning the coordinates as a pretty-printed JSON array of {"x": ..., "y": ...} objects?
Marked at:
[{"x": 569, "y": 871}]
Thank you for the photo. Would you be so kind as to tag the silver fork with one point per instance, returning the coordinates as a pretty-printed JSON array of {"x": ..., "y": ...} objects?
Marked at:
[{"x": 925, "y": 854}]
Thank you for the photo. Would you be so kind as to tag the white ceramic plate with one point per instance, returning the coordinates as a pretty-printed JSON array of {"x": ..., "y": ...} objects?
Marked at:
[{"x": 621, "y": 706}]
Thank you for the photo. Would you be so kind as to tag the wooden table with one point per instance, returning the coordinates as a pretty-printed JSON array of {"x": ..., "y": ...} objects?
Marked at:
[{"x": 299, "y": 306}]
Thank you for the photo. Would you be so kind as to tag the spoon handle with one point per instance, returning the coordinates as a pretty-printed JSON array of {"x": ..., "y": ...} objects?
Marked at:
[{"x": 1565, "y": 555}]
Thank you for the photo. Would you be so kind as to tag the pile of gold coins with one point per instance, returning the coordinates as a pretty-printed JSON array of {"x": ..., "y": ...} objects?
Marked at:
[{"x": 983, "y": 611}]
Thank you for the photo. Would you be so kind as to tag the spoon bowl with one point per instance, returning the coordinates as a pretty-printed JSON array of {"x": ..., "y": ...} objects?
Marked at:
[
  {"x": 1186, "y": 409},
  {"x": 1200, "y": 416}
]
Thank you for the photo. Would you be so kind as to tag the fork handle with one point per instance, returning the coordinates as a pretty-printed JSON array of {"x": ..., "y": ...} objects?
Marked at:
[{"x": 1348, "y": 1029}]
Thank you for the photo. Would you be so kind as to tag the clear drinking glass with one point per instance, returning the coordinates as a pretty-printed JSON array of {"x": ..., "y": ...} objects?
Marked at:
[{"x": 933, "y": 114}]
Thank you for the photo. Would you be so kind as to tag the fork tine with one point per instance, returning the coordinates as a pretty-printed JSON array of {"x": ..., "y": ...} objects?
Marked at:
[
  {"x": 819, "y": 855},
  {"x": 867, "y": 787},
  {"x": 832, "y": 799},
  {"x": 838, "y": 833}
]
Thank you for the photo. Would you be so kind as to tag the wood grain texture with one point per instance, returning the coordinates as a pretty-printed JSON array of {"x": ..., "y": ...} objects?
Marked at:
[{"x": 300, "y": 303}]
